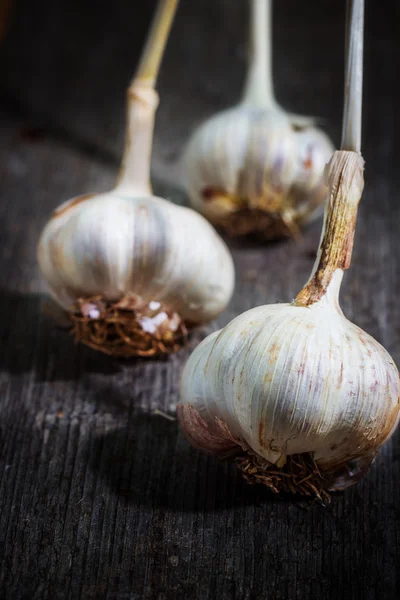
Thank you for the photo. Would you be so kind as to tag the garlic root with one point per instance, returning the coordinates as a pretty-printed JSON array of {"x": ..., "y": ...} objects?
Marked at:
[{"x": 128, "y": 327}]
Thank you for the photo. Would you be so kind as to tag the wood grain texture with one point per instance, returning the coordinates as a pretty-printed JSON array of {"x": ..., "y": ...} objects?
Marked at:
[{"x": 101, "y": 497}]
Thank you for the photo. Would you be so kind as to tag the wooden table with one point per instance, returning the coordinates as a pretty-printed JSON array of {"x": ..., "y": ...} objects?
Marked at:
[{"x": 100, "y": 496}]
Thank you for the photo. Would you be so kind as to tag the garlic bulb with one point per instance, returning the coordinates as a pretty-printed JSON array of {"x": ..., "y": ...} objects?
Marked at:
[
  {"x": 305, "y": 395},
  {"x": 254, "y": 168},
  {"x": 134, "y": 270}
]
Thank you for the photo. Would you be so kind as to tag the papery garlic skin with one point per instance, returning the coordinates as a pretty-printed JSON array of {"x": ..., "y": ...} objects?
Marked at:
[
  {"x": 113, "y": 244},
  {"x": 285, "y": 379},
  {"x": 254, "y": 158}
]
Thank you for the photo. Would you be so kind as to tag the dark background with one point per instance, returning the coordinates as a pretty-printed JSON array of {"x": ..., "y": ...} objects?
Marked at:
[{"x": 100, "y": 497}]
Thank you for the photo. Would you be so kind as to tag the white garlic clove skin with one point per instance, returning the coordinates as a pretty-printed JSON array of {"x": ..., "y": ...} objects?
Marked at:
[
  {"x": 285, "y": 379},
  {"x": 255, "y": 158},
  {"x": 113, "y": 244}
]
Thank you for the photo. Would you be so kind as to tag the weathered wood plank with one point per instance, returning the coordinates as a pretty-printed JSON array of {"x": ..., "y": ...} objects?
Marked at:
[
  {"x": 85, "y": 54},
  {"x": 99, "y": 497}
]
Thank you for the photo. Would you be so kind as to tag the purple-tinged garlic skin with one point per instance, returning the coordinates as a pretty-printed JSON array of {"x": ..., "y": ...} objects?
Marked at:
[{"x": 283, "y": 379}]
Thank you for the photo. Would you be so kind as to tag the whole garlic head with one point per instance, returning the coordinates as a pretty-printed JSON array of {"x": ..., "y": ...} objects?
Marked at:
[
  {"x": 251, "y": 169},
  {"x": 284, "y": 380},
  {"x": 254, "y": 168},
  {"x": 135, "y": 271},
  {"x": 114, "y": 244}
]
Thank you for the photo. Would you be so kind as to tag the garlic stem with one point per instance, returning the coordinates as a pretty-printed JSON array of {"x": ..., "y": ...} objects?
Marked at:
[
  {"x": 351, "y": 133},
  {"x": 154, "y": 49},
  {"x": 258, "y": 89},
  {"x": 345, "y": 178},
  {"x": 344, "y": 173},
  {"x": 134, "y": 175}
]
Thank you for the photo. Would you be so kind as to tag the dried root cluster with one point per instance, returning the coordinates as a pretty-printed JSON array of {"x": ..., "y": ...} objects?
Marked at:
[
  {"x": 300, "y": 475},
  {"x": 127, "y": 328}
]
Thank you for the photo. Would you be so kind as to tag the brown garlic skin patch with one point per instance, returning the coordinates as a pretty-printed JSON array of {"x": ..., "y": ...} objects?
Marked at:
[{"x": 61, "y": 210}]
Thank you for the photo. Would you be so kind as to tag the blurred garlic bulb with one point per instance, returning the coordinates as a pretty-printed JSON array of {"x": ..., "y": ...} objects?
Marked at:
[
  {"x": 133, "y": 270},
  {"x": 255, "y": 168},
  {"x": 303, "y": 394}
]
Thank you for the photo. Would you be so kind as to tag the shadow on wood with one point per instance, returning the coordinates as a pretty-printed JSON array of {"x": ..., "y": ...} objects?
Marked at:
[
  {"x": 149, "y": 463},
  {"x": 30, "y": 340}
]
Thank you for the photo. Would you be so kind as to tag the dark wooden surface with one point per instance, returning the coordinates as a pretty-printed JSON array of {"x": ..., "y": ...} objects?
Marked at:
[{"x": 101, "y": 497}]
